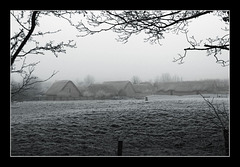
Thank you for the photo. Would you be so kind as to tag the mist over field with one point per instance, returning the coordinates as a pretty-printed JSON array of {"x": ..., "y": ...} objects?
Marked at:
[
  {"x": 162, "y": 126},
  {"x": 113, "y": 82}
]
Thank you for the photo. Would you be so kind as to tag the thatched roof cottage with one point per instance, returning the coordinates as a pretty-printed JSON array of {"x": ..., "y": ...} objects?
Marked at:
[
  {"x": 63, "y": 89},
  {"x": 186, "y": 87},
  {"x": 144, "y": 89},
  {"x": 124, "y": 88},
  {"x": 100, "y": 91}
]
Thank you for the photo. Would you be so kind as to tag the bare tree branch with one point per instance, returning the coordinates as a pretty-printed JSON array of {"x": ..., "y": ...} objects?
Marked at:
[
  {"x": 126, "y": 23},
  {"x": 155, "y": 24},
  {"x": 212, "y": 46},
  {"x": 28, "y": 79},
  {"x": 33, "y": 24},
  {"x": 19, "y": 22},
  {"x": 27, "y": 21}
]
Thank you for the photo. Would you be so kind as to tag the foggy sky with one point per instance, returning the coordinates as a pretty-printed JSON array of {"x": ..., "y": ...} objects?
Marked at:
[{"x": 102, "y": 57}]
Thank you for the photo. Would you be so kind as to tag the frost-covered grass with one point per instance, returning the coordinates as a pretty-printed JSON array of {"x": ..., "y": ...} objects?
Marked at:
[{"x": 163, "y": 126}]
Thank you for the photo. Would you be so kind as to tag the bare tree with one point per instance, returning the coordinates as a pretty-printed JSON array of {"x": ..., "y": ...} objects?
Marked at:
[
  {"x": 88, "y": 80},
  {"x": 25, "y": 34},
  {"x": 135, "y": 79},
  {"x": 28, "y": 21},
  {"x": 166, "y": 77},
  {"x": 155, "y": 24},
  {"x": 219, "y": 116},
  {"x": 28, "y": 80},
  {"x": 176, "y": 78},
  {"x": 213, "y": 46},
  {"x": 31, "y": 91}
]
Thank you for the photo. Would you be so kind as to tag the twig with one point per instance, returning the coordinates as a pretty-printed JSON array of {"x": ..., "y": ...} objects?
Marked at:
[{"x": 215, "y": 110}]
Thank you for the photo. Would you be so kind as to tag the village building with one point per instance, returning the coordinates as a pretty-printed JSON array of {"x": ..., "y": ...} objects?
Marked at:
[
  {"x": 100, "y": 91},
  {"x": 143, "y": 89},
  {"x": 124, "y": 88},
  {"x": 186, "y": 88},
  {"x": 63, "y": 90}
]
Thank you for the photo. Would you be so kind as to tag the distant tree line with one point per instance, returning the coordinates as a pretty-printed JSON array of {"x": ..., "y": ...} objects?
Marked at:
[
  {"x": 153, "y": 23},
  {"x": 38, "y": 89},
  {"x": 165, "y": 77}
]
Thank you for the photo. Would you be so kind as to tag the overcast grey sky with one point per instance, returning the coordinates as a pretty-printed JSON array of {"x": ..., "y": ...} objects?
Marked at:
[{"x": 102, "y": 57}]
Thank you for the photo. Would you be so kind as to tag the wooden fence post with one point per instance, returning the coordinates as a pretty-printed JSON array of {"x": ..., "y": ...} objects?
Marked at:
[
  {"x": 226, "y": 140},
  {"x": 119, "y": 151},
  {"x": 146, "y": 98}
]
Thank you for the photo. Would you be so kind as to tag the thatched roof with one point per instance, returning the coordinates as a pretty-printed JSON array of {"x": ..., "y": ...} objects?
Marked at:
[
  {"x": 58, "y": 86},
  {"x": 143, "y": 88},
  {"x": 186, "y": 86},
  {"x": 108, "y": 89},
  {"x": 118, "y": 85}
]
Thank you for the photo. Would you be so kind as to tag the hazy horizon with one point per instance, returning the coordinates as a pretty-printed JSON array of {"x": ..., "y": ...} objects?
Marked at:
[{"x": 102, "y": 57}]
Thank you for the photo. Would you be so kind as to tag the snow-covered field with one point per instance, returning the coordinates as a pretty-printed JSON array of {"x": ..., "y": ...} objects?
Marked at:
[{"x": 163, "y": 126}]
